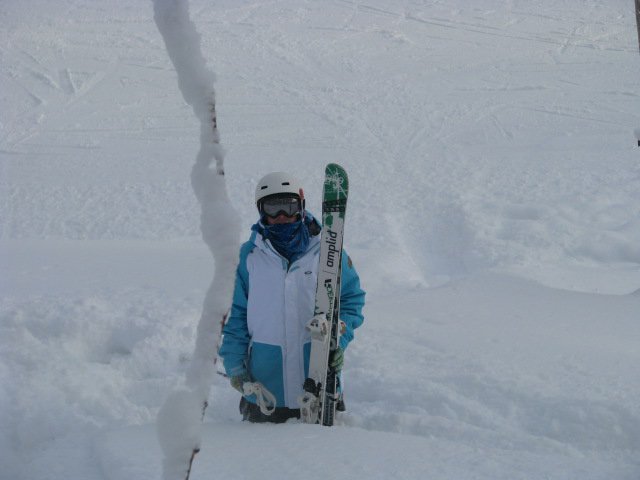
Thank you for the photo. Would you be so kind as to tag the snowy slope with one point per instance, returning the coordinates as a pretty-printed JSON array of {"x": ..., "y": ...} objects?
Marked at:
[{"x": 495, "y": 223}]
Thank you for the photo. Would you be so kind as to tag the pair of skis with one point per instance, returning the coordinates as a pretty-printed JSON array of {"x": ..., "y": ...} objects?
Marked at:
[{"x": 321, "y": 388}]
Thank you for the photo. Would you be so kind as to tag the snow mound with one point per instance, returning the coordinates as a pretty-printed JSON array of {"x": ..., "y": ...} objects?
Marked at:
[{"x": 268, "y": 451}]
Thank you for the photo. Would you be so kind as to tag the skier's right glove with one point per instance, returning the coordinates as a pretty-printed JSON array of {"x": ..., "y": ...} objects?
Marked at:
[
  {"x": 336, "y": 360},
  {"x": 239, "y": 380}
]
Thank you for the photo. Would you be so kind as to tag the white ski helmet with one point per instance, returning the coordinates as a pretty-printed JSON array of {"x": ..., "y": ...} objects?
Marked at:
[{"x": 274, "y": 183}]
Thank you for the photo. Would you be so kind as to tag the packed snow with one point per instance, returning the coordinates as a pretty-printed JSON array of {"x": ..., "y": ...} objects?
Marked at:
[{"x": 494, "y": 220}]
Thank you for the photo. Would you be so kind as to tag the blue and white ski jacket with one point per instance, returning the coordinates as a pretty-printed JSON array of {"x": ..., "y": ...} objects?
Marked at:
[{"x": 273, "y": 301}]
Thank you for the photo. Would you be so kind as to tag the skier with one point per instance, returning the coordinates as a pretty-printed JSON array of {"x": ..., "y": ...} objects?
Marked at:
[{"x": 265, "y": 337}]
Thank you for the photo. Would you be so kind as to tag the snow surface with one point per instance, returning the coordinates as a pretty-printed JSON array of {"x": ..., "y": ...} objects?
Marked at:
[{"x": 494, "y": 220}]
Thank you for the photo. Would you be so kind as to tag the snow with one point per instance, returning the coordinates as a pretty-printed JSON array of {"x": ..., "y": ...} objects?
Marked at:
[{"x": 494, "y": 220}]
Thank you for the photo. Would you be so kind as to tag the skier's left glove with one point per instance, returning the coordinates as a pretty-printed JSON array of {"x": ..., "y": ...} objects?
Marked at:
[
  {"x": 239, "y": 380},
  {"x": 337, "y": 359}
]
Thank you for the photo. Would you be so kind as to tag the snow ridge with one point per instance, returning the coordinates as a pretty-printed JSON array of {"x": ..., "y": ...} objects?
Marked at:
[{"x": 179, "y": 419}]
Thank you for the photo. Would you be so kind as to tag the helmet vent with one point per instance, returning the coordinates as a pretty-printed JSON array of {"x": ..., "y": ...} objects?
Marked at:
[
  {"x": 264, "y": 186},
  {"x": 286, "y": 183}
]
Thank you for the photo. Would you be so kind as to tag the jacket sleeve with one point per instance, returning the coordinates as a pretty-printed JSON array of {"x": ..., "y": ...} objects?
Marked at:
[
  {"x": 351, "y": 300},
  {"x": 235, "y": 343}
]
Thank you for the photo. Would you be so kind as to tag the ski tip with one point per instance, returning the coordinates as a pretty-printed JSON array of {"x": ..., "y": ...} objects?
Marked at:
[
  {"x": 334, "y": 167},
  {"x": 336, "y": 174},
  {"x": 336, "y": 183}
]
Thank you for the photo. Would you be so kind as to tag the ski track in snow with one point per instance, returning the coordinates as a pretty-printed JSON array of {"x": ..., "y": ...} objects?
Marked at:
[{"x": 494, "y": 222}]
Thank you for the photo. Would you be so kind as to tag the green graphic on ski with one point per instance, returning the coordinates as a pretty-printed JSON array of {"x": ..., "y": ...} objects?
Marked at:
[{"x": 318, "y": 403}]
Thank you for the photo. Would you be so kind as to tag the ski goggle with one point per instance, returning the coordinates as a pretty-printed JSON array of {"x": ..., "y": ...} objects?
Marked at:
[{"x": 288, "y": 205}]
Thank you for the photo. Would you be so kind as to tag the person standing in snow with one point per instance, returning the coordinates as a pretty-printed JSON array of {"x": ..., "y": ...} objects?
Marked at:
[{"x": 265, "y": 337}]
